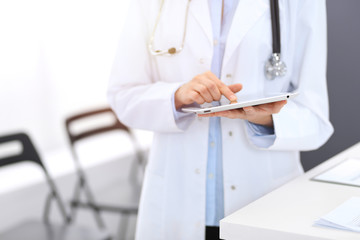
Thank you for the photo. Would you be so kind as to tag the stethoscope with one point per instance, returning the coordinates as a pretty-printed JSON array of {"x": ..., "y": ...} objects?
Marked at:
[{"x": 274, "y": 67}]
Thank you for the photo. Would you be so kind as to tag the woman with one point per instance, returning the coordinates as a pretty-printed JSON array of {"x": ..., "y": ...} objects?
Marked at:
[{"x": 203, "y": 168}]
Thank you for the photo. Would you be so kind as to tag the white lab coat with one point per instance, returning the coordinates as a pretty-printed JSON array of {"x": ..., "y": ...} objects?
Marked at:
[{"x": 172, "y": 204}]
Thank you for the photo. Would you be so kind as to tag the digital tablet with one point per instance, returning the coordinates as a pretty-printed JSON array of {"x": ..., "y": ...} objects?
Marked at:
[{"x": 243, "y": 101}]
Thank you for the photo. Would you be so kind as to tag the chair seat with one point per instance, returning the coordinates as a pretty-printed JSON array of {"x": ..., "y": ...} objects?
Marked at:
[
  {"x": 33, "y": 230},
  {"x": 124, "y": 198}
]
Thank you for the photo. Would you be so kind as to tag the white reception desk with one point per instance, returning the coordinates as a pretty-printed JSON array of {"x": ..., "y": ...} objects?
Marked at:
[{"x": 288, "y": 213}]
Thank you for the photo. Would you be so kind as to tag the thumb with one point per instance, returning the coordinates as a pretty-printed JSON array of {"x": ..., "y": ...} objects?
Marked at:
[{"x": 235, "y": 87}]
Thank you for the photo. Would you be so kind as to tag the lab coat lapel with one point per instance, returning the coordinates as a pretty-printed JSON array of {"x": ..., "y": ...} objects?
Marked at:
[
  {"x": 199, "y": 9},
  {"x": 247, "y": 14}
]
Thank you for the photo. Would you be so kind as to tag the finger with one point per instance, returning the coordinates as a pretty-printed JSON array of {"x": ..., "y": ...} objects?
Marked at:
[
  {"x": 283, "y": 103},
  {"x": 235, "y": 87},
  {"x": 249, "y": 110},
  {"x": 196, "y": 97},
  {"x": 274, "y": 107},
  {"x": 224, "y": 90},
  {"x": 210, "y": 115},
  {"x": 227, "y": 93},
  {"x": 216, "y": 114},
  {"x": 206, "y": 115},
  {"x": 233, "y": 114},
  {"x": 203, "y": 91},
  {"x": 213, "y": 89},
  {"x": 278, "y": 106}
]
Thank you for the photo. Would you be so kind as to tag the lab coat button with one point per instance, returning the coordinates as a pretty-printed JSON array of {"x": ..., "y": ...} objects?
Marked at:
[
  {"x": 212, "y": 144},
  {"x": 233, "y": 187},
  {"x": 202, "y": 61},
  {"x": 228, "y": 76},
  {"x": 230, "y": 133},
  {"x": 197, "y": 171},
  {"x": 215, "y": 42}
]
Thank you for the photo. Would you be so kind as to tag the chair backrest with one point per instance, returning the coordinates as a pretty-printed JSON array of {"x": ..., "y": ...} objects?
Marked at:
[
  {"x": 103, "y": 127},
  {"x": 28, "y": 153},
  {"x": 106, "y": 127}
]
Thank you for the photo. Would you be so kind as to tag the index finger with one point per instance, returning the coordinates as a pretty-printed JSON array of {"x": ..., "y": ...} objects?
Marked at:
[{"x": 224, "y": 90}]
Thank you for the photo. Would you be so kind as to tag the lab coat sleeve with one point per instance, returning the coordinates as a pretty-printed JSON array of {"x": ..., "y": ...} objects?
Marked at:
[
  {"x": 303, "y": 123},
  {"x": 137, "y": 95},
  {"x": 260, "y": 135},
  {"x": 182, "y": 119}
]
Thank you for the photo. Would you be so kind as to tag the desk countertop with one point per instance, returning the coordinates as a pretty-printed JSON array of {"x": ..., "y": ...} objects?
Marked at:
[{"x": 290, "y": 211}]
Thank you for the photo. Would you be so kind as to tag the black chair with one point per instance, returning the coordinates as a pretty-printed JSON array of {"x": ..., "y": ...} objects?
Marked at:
[
  {"x": 124, "y": 199},
  {"x": 43, "y": 230}
]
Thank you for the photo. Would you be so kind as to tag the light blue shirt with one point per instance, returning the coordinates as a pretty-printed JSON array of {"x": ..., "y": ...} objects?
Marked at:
[
  {"x": 259, "y": 135},
  {"x": 221, "y": 23}
]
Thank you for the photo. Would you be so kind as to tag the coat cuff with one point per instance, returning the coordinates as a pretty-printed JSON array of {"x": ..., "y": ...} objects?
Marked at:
[{"x": 260, "y": 136}]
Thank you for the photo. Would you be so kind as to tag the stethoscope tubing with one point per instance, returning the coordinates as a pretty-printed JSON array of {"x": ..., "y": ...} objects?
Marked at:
[
  {"x": 275, "y": 26},
  {"x": 274, "y": 67}
]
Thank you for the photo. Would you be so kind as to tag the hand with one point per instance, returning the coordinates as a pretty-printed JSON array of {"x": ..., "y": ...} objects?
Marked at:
[
  {"x": 203, "y": 88},
  {"x": 261, "y": 114}
]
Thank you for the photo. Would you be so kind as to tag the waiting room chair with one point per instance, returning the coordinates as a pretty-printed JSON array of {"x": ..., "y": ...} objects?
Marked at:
[
  {"x": 43, "y": 230},
  {"x": 124, "y": 199}
]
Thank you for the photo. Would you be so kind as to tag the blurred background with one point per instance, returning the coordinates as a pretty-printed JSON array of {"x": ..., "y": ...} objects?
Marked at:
[
  {"x": 55, "y": 61},
  {"x": 343, "y": 80}
]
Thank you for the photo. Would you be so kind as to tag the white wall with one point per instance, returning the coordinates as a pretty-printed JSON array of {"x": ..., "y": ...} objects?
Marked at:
[{"x": 55, "y": 59}]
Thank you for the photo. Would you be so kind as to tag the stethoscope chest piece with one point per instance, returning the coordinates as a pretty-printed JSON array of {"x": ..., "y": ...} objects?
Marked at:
[{"x": 274, "y": 67}]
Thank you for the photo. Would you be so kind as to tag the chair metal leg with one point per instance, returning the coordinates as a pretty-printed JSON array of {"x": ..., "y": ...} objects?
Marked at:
[
  {"x": 75, "y": 200},
  {"x": 96, "y": 210},
  {"x": 54, "y": 195},
  {"x": 123, "y": 226}
]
